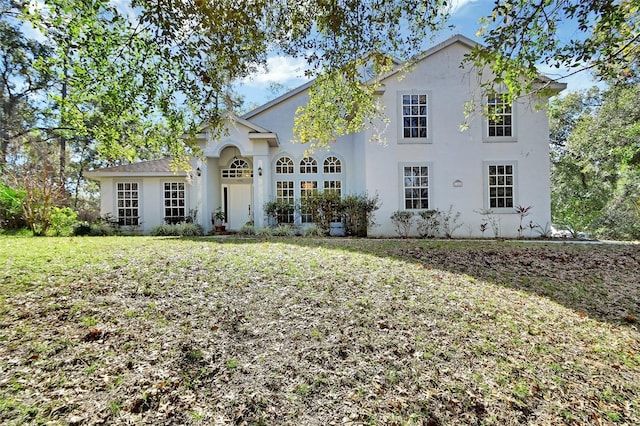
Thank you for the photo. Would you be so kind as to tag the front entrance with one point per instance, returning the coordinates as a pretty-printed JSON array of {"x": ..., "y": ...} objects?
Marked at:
[{"x": 238, "y": 203}]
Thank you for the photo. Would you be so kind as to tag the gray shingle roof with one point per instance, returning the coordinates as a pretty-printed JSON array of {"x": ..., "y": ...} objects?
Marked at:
[{"x": 160, "y": 167}]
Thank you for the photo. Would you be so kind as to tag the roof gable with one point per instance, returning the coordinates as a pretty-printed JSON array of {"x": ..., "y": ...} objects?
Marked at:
[{"x": 458, "y": 38}]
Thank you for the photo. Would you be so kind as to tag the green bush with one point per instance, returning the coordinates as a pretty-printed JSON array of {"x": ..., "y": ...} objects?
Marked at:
[
  {"x": 81, "y": 229},
  {"x": 279, "y": 211},
  {"x": 182, "y": 229},
  {"x": 62, "y": 221},
  {"x": 105, "y": 228},
  {"x": 324, "y": 208},
  {"x": 282, "y": 231},
  {"x": 11, "y": 208},
  {"x": 247, "y": 229},
  {"x": 264, "y": 232},
  {"x": 312, "y": 231},
  {"x": 358, "y": 212}
]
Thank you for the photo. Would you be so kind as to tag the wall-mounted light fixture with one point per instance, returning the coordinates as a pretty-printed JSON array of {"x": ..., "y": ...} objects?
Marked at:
[
  {"x": 198, "y": 171},
  {"x": 259, "y": 171},
  {"x": 457, "y": 183}
]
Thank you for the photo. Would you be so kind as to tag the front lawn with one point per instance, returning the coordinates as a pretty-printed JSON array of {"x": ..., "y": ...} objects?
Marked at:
[{"x": 139, "y": 330}]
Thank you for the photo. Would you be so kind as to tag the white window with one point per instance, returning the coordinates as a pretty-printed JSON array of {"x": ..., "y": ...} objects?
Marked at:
[
  {"x": 238, "y": 169},
  {"x": 332, "y": 165},
  {"x": 501, "y": 186},
  {"x": 416, "y": 187},
  {"x": 127, "y": 194},
  {"x": 414, "y": 116},
  {"x": 500, "y": 120},
  {"x": 284, "y": 165},
  {"x": 285, "y": 192},
  {"x": 334, "y": 186},
  {"x": 174, "y": 202},
  {"x": 308, "y": 165},
  {"x": 307, "y": 189}
]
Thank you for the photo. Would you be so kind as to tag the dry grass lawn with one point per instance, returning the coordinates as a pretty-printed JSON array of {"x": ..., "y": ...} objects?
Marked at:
[{"x": 298, "y": 331}]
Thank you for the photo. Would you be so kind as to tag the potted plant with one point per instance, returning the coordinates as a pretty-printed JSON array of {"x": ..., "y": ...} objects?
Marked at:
[{"x": 218, "y": 220}]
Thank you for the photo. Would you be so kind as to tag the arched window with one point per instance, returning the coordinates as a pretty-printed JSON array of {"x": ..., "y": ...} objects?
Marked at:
[
  {"x": 332, "y": 165},
  {"x": 238, "y": 168},
  {"x": 284, "y": 165},
  {"x": 308, "y": 165}
]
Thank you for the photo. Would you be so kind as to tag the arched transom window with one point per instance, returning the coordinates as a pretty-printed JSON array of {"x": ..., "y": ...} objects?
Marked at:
[
  {"x": 238, "y": 168},
  {"x": 284, "y": 165},
  {"x": 308, "y": 165},
  {"x": 332, "y": 165}
]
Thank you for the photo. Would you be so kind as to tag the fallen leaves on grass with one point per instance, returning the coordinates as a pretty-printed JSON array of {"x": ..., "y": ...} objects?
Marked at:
[{"x": 320, "y": 332}]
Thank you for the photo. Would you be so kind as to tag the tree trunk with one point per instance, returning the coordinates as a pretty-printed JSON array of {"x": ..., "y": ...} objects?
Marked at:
[{"x": 63, "y": 140}]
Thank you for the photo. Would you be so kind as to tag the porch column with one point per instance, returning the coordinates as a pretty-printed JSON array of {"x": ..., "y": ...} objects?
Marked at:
[
  {"x": 201, "y": 185},
  {"x": 261, "y": 188}
]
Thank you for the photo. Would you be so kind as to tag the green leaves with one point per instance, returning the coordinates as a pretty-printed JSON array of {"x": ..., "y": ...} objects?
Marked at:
[
  {"x": 521, "y": 34},
  {"x": 596, "y": 161}
]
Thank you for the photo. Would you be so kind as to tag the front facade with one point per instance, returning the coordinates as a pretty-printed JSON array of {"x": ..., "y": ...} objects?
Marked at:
[{"x": 424, "y": 161}]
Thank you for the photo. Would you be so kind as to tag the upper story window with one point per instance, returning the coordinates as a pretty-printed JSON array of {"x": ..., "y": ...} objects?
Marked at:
[
  {"x": 414, "y": 116},
  {"x": 499, "y": 116},
  {"x": 332, "y": 165},
  {"x": 127, "y": 194},
  {"x": 238, "y": 168},
  {"x": 308, "y": 165},
  {"x": 284, "y": 165}
]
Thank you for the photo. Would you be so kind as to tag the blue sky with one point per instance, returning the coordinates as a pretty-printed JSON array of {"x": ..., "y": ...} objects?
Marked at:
[{"x": 289, "y": 72}]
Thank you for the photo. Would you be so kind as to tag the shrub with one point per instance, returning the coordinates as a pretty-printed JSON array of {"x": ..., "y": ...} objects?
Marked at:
[
  {"x": 81, "y": 229},
  {"x": 247, "y": 229},
  {"x": 312, "y": 231},
  {"x": 263, "y": 232},
  {"x": 186, "y": 229},
  {"x": 11, "y": 208},
  {"x": 105, "y": 226},
  {"x": 450, "y": 222},
  {"x": 324, "y": 208},
  {"x": 429, "y": 223},
  {"x": 402, "y": 220},
  {"x": 358, "y": 213},
  {"x": 182, "y": 229},
  {"x": 282, "y": 231},
  {"x": 279, "y": 211},
  {"x": 490, "y": 219},
  {"x": 62, "y": 221},
  {"x": 163, "y": 230}
]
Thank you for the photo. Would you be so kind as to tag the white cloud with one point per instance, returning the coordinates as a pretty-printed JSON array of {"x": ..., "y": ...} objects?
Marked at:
[
  {"x": 280, "y": 69},
  {"x": 456, "y": 5}
]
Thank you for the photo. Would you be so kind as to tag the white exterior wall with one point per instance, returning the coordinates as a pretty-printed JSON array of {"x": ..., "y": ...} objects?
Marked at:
[
  {"x": 150, "y": 198},
  {"x": 451, "y": 155},
  {"x": 280, "y": 120}
]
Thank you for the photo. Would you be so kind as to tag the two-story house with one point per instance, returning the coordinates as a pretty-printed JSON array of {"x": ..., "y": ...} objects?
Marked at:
[{"x": 426, "y": 160}]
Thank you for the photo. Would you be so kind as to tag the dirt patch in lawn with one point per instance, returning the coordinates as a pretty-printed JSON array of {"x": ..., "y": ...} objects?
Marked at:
[{"x": 153, "y": 331}]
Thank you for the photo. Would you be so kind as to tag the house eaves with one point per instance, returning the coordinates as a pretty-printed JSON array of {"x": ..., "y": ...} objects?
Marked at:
[
  {"x": 158, "y": 168},
  {"x": 458, "y": 38},
  {"x": 255, "y": 132}
]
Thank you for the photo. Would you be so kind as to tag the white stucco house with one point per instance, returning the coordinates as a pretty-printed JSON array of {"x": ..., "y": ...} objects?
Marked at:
[{"x": 425, "y": 162}]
